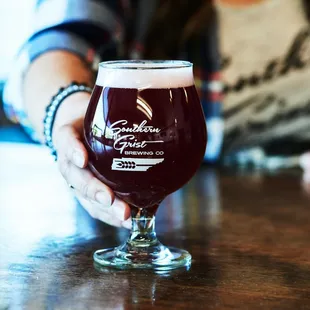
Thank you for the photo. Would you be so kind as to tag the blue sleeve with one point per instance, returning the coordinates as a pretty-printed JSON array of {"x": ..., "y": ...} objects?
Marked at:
[
  {"x": 79, "y": 26},
  {"x": 95, "y": 21}
]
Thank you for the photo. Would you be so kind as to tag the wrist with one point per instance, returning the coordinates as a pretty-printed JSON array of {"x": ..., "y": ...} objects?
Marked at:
[
  {"x": 73, "y": 108},
  {"x": 68, "y": 112}
]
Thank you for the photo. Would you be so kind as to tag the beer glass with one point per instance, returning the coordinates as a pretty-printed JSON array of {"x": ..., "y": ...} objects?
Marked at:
[{"x": 145, "y": 133}]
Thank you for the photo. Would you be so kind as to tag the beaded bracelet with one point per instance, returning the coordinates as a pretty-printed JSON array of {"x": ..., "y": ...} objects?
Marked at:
[{"x": 52, "y": 108}]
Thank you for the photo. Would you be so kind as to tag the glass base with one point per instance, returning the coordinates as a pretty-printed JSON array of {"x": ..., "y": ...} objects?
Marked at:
[{"x": 166, "y": 259}]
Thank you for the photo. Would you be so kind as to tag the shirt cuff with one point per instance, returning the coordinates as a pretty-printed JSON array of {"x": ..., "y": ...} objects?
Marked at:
[
  {"x": 210, "y": 90},
  {"x": 46, "y": 41}
]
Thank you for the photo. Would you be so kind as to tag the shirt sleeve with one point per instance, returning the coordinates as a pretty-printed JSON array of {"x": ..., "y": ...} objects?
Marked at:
[{"x": 82, "y": 27}]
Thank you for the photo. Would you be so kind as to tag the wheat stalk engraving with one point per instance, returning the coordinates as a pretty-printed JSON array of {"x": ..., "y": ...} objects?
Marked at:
[
  {"x": 135, "y": 164},
  {"x": 127, "y": 165}
]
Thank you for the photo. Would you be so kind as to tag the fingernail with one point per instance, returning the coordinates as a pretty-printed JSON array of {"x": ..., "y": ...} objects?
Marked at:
[
  {"x": 104, "y": 199},
  {"x": 127, "y": 223},
  {"x": 306, "y": 178},
  {"x": 78, "y": 159},
  {"x": 119, "y": 211}
]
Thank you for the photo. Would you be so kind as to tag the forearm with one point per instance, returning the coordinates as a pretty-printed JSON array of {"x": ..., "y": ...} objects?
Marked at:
[{"x": 45, "y": 76}]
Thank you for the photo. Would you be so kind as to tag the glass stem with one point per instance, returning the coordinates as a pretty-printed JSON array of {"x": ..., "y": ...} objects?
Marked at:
[
  {"x": 142, "y": 245},
  {"x": 143, "y": 228}
]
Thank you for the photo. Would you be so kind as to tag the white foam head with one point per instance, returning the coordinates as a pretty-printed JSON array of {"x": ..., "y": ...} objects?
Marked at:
[{"x": 145, "y": 74}]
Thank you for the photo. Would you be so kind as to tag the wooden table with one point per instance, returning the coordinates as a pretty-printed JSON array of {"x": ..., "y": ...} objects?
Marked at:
[{"x": 249, "y": 235}]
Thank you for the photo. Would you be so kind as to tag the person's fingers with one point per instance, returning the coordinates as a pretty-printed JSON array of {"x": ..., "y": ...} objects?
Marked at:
[
  {"x": 306, "y": 177},
  {"x": 120, "y": 209},
  {"x": 83, "y": 181},
  {"x": 98, "y": 213},
  {"x": 127, "y": 224},
  {"x": 109, "y": 219},
  {"x": 117, "y": 215},
  {"x": 96, "y": 197},
  {"x": 305, "y": 182},
  {"x": 304, "y": 161},
  {"x": 68, "y": 144}
]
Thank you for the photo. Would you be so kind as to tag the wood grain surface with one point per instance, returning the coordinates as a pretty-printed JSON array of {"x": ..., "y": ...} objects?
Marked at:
[{"x": 249, "y": 235}]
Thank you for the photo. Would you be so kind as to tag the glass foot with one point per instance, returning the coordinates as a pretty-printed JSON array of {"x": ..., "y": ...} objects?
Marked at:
[{"x": 164, "y": 259}]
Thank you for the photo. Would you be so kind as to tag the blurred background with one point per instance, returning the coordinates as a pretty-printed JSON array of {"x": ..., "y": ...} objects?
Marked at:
[
  {"x": 15, "y": 23},
  {"x": 259, "y": 49}
]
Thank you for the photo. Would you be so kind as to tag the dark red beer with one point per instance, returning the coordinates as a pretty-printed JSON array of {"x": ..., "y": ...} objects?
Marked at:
[{"x": 144, "y": 142}]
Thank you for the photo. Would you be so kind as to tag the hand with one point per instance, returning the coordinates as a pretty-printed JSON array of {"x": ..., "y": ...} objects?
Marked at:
[
  {"x": 97, "y": 198},
  {"x": 305, "y": 165}
]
